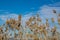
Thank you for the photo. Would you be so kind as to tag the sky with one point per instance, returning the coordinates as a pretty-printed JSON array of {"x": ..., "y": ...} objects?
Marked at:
[
  {"x": 27, "y": 8},
  {"x": 23, "y": 6},
  {"x": 12, "y": 8}
]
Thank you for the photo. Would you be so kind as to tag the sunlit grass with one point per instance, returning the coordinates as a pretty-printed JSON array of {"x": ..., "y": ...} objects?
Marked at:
[{"x": 39, "y": 32}]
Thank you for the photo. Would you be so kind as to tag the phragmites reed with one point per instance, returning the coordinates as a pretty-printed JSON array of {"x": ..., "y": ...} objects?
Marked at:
[
  {"x": 19, "y": 18},
  {"x": 33, "y": 29},
  {"x": 53, "y": 30},
  {"x": 31, "y": 19},
  {"x": 59, "y": 19},
  {"x": 1, "y": 37},
  {"x": 47, "y": 24},
  {"x": 52, "y": 19},
  {"x": 46, "y": 19},
  {"x": 7, "y": 21},
  {"x": 28, "y": 23},
  {"x": 39, "y": 19}
]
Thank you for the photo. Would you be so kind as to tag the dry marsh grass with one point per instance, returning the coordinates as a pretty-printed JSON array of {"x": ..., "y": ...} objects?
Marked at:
[{"x": 37, "y": 31}]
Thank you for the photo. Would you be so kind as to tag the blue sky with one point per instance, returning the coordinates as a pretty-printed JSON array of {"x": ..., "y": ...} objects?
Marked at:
[{"x": 23, "y": 6}]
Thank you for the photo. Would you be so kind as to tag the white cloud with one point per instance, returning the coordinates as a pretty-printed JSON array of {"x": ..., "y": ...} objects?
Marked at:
[
  {"x": 55, "y": 4},
  {"x": 46, "y": 10},
  {"x": 8, "y": 16}
]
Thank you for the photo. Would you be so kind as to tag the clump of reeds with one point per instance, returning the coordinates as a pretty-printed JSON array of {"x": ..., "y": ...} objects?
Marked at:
[{"x": 39, "y": 32}]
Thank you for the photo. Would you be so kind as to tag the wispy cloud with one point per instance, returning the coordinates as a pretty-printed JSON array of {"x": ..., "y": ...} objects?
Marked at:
[
  {"x": 8, "y": 16},
  {"x": 45, "y": 11},
  {"x": 57, "y": 4}
]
